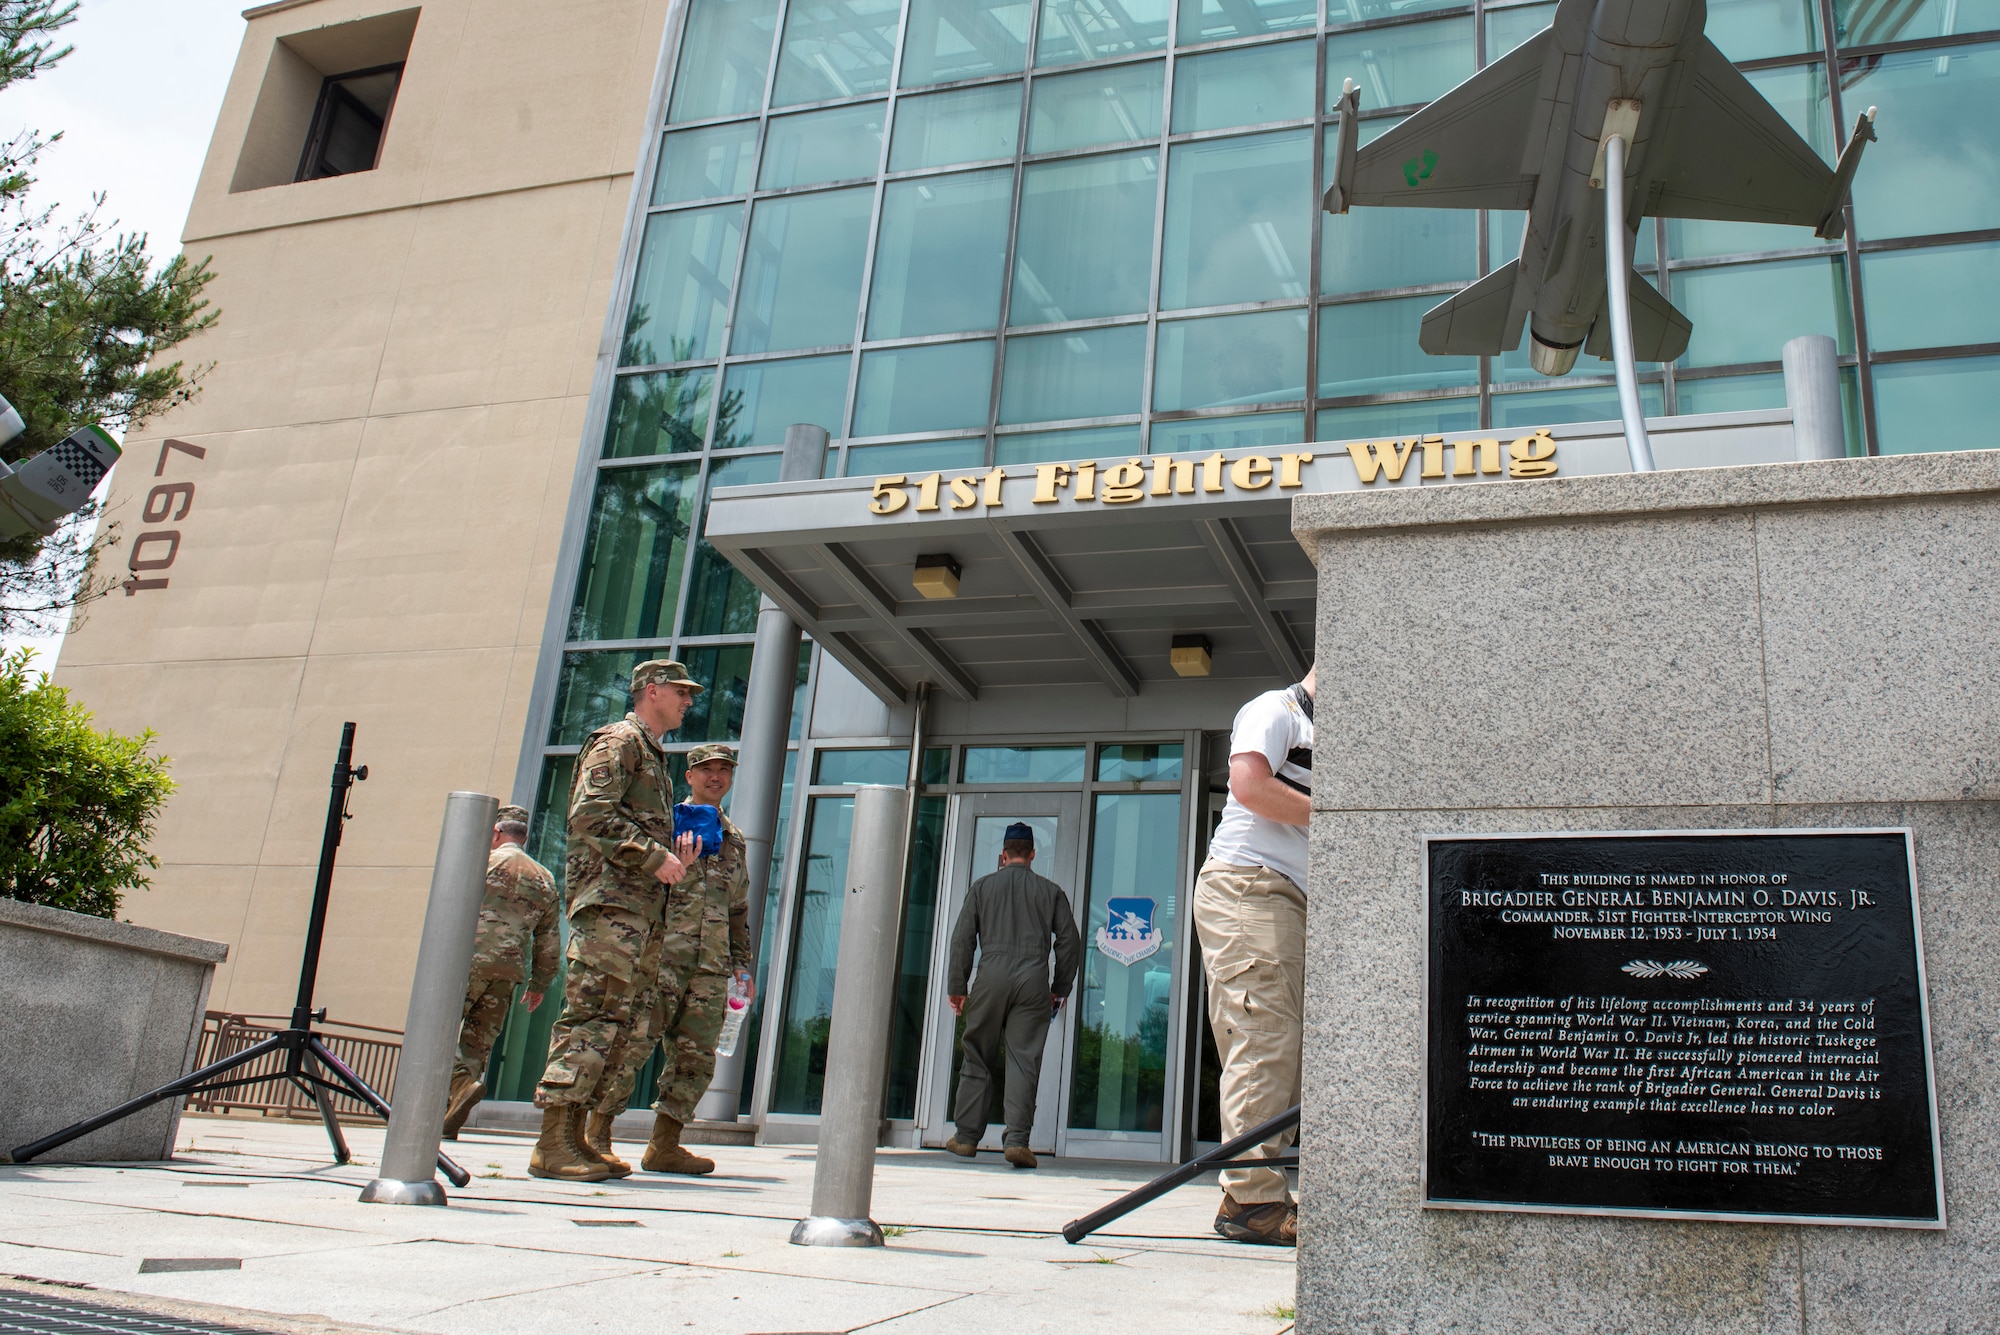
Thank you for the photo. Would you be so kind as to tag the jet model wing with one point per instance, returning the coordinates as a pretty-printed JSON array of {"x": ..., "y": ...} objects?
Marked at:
[
  {"x": 1464, "y": 151},
  {"x": 1729, "y": 156}
]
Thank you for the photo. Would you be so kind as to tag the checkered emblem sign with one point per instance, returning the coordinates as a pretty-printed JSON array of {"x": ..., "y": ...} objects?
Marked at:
[{"x": 79, "y": 463}]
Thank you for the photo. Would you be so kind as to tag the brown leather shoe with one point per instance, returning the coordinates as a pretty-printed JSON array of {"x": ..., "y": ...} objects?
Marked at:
[
  {"x": 555, "y": 1155},
  {"x": 465, "y": 1096},
  {"x": 964, "y": 1149},
  {"x": 1019, "y": 1155},
  {"x": 665, "y": 1155},
  {"x": 597, "y": 1139},
  {"x": 1269, "y": 1223}
]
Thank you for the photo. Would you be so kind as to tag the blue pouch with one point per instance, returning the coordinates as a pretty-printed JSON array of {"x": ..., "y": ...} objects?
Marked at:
[{"x": 704, "y": 823}]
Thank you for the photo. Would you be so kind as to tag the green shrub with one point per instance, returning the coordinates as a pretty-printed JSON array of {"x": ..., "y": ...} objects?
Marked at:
[{"x": 76, "y": 805}]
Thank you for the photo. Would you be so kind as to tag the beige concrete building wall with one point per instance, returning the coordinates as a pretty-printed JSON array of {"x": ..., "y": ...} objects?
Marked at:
[{"x": 390, "y": 428}]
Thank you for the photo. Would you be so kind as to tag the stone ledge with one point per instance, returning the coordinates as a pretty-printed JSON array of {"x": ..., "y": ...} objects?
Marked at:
[
  {"x": 107, "y": 931},
  {"x": 1820, "y": 482}
]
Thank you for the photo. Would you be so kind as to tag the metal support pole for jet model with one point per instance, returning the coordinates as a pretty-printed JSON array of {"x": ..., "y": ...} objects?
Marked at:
[{"x": 1617, "y": 277}]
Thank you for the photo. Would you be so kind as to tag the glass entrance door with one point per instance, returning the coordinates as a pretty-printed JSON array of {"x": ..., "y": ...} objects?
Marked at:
[{"x": 978, "y": 823}]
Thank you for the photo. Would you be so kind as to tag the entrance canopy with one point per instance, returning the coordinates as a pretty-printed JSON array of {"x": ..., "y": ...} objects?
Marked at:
[{"x": 1083, "y": 574}]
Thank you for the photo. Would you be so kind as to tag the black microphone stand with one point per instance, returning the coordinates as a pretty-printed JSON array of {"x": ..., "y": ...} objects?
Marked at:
[{"x": 309, "y": 1064}]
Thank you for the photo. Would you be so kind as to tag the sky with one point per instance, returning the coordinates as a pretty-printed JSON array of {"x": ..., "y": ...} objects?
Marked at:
[{"x": 135, "y": 103}]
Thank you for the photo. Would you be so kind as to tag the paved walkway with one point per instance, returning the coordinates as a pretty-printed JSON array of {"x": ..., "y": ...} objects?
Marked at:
[{"x": 251, "y": 1215}]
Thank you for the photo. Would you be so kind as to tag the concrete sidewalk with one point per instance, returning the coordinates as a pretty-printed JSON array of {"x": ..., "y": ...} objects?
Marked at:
[{"x": 974, "y": 1247}]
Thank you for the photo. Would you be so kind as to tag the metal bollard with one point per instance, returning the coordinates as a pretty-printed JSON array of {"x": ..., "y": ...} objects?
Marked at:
[
  {"x": 857, "y": 1050},
  {"x": 1812, "y": 388},
  {"x": 437, "y": 997}
]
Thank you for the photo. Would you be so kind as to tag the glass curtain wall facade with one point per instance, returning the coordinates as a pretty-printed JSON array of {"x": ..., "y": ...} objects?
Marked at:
[{"x": 960, "y": 232}]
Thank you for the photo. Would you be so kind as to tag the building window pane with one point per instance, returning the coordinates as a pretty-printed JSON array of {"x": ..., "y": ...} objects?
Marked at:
[
  {"x": 1119, "y": 1083},
  {"x": 799, "y": 1075},
  {"x": 1370, "y": 347},
  {"x": 1251, "y": 85},
  {"x": 1022, "y": 764},
  {"x": 1085, "y": 242},
  {"x": 665, "y": 412},
  {"x": 1147, "y": 762},
  {"x": 1203, "y": 434},
  {"x": 1239, "y": 219},
  {"x": 1074, "y": 30},
  {"x": 941, "y": 255},
  {"x": 959, "y": 125},
  {"x": 1112, "y": 105},
  {"x": 1752, "y": 29},
  {"x": 1412, "y": 417},
  {"x": 1508, "y": 28},
  {"x": 761, "y": 399},
  {"x": 1941, "y": 405},
  {"x": 1936, "y": 297},
  {"x": 1867, "y": 22},
  {"x": 1587, "y": 403},
  {"x": 1401, "y": 65},
  {"x": 705, "y": 163},
  {"x": 717, "y": 713},
  {"x": 725, "y": 56},
  {"x": 1340, "y": 12},
  {"x": 835, "y": 48},
  {"x": 720, "y": 601},
  {"x": 962, "y": 39},
  {"x": 932, "y": 456},
  {"x": 1091, "y": 442},
  {"x": 935, "y": 387},
  {"x": 1213, "y": 20},
  {"x": 883, "y": 765},
  {"x": 1729, "y": 393},
  {"x": 1083, "y": 373},
  {"x": 680, "y": 296},
  {"x": 1798, "y": 92},
  {"x": 840, "y": 144},
  {"x": 1747, "y": 312},
  {"x": 1941, "y": 177},
  {"x": 1230, "y": 359},
  {"x": 802, "y": 276},
  {"x": 591, "y": 691},
  {"x": 633, "y": 552}
]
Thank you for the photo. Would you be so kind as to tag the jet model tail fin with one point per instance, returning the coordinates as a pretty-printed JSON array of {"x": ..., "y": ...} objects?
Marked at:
[
  {"x": 1659, "y": 331},
  {"x": 1481, "y": 320}
]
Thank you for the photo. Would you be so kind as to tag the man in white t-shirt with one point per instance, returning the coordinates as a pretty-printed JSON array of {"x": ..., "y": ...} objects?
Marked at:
[{"x": 1250, "y": 914}]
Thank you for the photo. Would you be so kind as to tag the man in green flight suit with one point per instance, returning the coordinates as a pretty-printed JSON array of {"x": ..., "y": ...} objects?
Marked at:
[
  {"x": 707, "y": 944},
  {"x": 622, "y": 859},
  {"x": 517, "y": 919}
]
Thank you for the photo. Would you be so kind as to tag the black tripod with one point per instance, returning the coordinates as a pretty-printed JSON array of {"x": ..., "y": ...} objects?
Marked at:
[
  {"x": 1076, "y": 1230},
  {"x": 310, "y": 1065}
]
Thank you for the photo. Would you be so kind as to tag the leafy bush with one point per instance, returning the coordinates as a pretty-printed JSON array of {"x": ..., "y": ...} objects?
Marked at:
[{"x": 76, "y": 805}]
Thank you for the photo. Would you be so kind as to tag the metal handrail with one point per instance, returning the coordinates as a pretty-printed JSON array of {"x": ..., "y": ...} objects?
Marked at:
[{"x": 226, "y": 1033}]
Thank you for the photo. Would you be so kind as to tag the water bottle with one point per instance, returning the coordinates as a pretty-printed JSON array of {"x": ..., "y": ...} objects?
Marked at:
[{"x": 737, "y": 1007}]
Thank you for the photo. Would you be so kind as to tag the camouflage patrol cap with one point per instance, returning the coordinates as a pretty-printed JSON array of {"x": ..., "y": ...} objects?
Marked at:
[
  {"x": 662, "y": 672},
  {"x": 712, "y": 751},
  {"x": 512, "y": 813}
]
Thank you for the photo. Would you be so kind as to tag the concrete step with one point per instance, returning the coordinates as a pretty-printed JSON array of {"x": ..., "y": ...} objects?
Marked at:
[{"x": 510, "y": 1118}]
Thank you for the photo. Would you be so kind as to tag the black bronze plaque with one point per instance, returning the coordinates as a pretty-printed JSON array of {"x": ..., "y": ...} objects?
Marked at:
[{"x": 1711, "y": 1024}]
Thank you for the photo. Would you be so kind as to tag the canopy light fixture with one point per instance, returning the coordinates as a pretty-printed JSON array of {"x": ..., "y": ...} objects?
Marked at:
[
  {"x": 936, "y": 576},
  {"x": 1191, "y": 655}
]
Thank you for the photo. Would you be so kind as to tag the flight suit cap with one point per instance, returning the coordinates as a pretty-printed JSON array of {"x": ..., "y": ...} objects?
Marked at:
[
  {"x": 662, "y": 672},
  {"x": 512, "y": 813},
  {"x": 711, "y": 751}
]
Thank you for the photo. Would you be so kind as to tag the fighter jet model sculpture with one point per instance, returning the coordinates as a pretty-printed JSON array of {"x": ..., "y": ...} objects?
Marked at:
[{"x": 1631, "y": 84}]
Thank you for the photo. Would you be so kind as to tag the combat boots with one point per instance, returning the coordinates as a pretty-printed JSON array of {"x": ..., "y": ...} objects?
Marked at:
[
  {"x": 665, "y": 1155},
  {"x": 597, "y": 1141},
  {"x": 556, "y": 1154},
  {"x": 465, "y": 1096}
]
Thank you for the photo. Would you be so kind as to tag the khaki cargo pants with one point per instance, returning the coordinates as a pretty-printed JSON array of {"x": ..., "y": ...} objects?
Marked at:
[{"x": 1252, "y": 926}]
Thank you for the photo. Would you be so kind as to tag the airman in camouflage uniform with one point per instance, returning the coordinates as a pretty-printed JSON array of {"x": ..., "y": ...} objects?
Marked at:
[
  {"x": 707, "y": 943},
  {"x": 622, "y": 859},
  {"x": 517, "y": 920}
]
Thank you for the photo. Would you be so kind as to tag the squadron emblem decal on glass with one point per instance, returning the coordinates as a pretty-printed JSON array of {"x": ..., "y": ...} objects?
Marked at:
[{"x": 1129, "y": 936}]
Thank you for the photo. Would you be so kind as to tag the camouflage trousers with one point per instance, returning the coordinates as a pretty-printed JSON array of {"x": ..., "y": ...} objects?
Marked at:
[
  {"x": 487, "y": 1001},
  {"x": 682, "y": 1010},
  {"x": 613, "y": 956}
]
